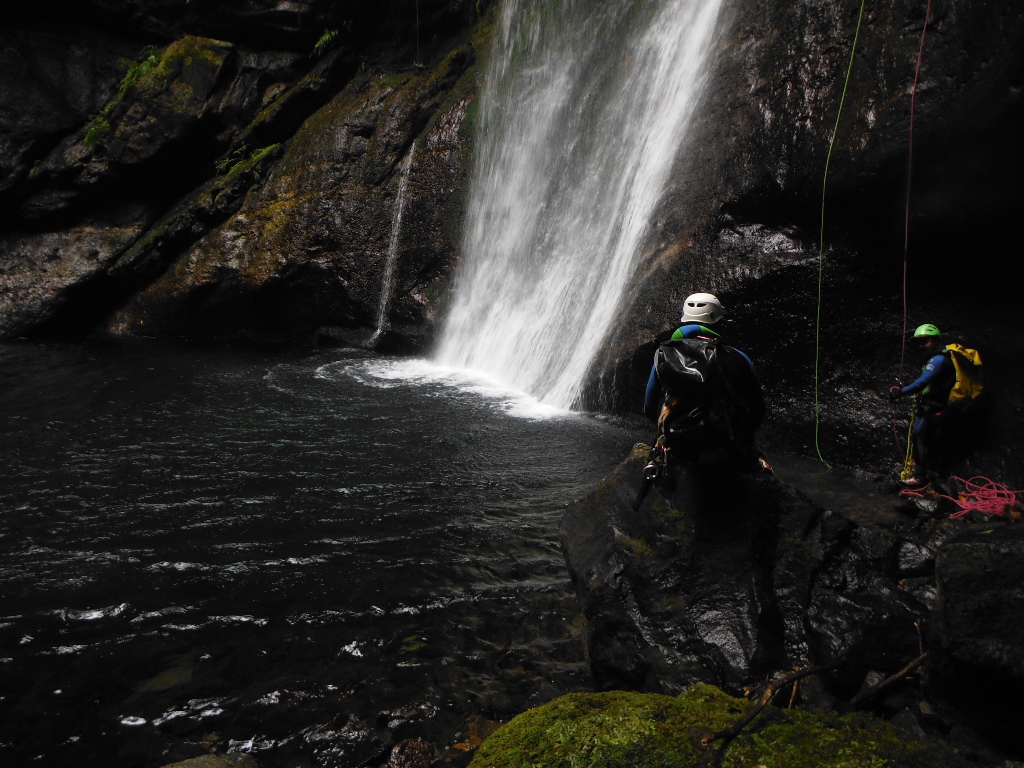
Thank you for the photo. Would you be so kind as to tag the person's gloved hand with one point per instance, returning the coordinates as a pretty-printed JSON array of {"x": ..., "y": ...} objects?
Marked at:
[{"x": 895, "y": 393}]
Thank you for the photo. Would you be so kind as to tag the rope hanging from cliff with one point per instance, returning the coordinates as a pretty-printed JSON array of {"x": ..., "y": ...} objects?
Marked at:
[
  {"x": 910, "y": 162},
  {"x": 821, "y": 248}
]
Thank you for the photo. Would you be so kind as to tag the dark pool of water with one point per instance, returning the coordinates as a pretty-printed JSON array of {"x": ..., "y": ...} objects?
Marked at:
[{"x": 302, "y": 555}]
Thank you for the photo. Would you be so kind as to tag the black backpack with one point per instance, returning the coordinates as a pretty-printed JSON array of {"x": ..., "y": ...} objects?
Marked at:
[{"x": 712, "y": 396}]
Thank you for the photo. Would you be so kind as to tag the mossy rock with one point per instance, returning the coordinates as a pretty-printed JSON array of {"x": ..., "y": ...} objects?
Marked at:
[{"x": 640, "y": 730}]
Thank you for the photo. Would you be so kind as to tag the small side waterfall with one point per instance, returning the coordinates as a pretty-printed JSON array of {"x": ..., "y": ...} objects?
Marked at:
[
  {"x": 584, "y": 109},
  {"x": 384, "y": 303}
]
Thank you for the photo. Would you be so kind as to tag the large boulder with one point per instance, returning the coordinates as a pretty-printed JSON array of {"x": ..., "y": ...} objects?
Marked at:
[{"x": 722, "y": 576}]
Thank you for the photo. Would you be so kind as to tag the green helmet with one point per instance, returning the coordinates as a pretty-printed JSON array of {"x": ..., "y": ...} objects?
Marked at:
[{"x": 926, "y": 330}]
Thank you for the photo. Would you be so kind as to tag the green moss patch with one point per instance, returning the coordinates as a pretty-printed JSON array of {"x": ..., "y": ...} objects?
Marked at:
[{"x": 637, "y": 730}]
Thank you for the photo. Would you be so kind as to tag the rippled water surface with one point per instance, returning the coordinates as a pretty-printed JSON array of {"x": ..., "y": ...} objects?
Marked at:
[{"x": 303, "y": 555}]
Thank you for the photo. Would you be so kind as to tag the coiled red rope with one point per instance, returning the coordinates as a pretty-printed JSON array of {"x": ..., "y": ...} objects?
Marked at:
[{"x": 979, "y": 494}]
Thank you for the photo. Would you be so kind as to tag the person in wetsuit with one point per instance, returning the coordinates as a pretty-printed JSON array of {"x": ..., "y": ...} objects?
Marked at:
[
  {"x": 699, "y": 311},
  {"x": 938, "y": 375}
]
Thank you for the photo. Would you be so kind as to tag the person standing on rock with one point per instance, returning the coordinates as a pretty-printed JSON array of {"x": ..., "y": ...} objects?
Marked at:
[
  {"x": 718, "y": 403},
  {"x": 938, "y": 375}
]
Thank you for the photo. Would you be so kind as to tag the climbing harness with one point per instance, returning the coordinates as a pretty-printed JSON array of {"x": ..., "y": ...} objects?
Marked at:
[
  {"x": 821, "y": 248},
  {"x": 657, "y": 460}
]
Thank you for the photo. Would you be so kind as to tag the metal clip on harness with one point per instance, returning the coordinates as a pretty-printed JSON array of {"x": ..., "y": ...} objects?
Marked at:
[{"x": 658, "y": 458}]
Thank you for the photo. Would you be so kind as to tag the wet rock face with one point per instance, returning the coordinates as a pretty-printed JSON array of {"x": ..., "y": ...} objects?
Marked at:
[
  {"x": 166, "y": 150},
  {"x": 53, "y": 81},
  {"x": 722, "y": 577},
  {"x": 977, "y": 668},
  {"x": 152, "y": 113},
  {"x": 308, "y": 247}
]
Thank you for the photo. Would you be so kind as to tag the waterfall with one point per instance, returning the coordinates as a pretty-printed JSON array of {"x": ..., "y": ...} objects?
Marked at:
[
  {"x": 584, "y": 109},
  {"x": 389, "y": 265}
]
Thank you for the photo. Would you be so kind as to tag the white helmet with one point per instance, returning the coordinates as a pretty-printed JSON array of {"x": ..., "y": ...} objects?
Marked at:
[{"x": 702, "y": 308}]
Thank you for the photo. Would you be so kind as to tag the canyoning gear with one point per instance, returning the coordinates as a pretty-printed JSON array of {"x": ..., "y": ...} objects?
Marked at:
[
  {"x": 895, "y": 393},
  {"x": 970, "y": 380},
  {"x": 654, "y": 394},
  {"x": 950, "y": 384},
  {"x": 909, "y": 467},
  {"x": 656, "y": 461},
  {"x": 931, "y": 394},
  {"x": 702, "y": 308},
  {"x": 953, "y": 377},
  {"x": 938, "y": 375},
  {"x": 926, "y": 330},
  {"x": 713, "y": 400}
]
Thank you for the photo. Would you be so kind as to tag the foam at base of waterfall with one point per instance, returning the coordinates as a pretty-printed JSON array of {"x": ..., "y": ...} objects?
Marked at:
[{"x": 394, "y": 373}]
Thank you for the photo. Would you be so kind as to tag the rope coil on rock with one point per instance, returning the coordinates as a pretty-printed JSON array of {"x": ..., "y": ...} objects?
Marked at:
[{"x": 980, "y": 494}]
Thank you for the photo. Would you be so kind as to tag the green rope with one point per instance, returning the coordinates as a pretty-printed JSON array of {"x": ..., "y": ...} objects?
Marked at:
[{"x": 821, "y": 248}]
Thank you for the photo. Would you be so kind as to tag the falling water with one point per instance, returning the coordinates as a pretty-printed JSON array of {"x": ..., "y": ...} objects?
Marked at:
[
  {"x": 389, "y": 266},
  {"x": 585, "y": 107}
]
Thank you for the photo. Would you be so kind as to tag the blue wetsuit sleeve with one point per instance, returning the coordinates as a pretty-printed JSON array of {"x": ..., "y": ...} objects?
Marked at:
[
  {"x": 745, "y": 357},
  {"x": 651, "y": 395},
  {"x": 928, "y": 373}
]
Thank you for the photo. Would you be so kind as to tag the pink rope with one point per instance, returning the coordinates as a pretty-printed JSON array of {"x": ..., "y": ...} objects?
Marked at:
[
  {"x": 983, "y": 495},
  {"x": 979, "y": 495}
]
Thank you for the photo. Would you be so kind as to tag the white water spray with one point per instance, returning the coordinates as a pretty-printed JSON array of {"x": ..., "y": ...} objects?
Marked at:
[
  {"x": 584, "y": 110},
  {"x": 389, "y": 266}
]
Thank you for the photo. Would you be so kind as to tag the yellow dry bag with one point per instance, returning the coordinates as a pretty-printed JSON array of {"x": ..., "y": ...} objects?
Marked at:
[{"x": 969, "y": 379}]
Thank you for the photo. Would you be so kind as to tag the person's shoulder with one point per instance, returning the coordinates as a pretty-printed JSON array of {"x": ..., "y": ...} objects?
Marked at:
[{"x": 691, "y": 330}]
